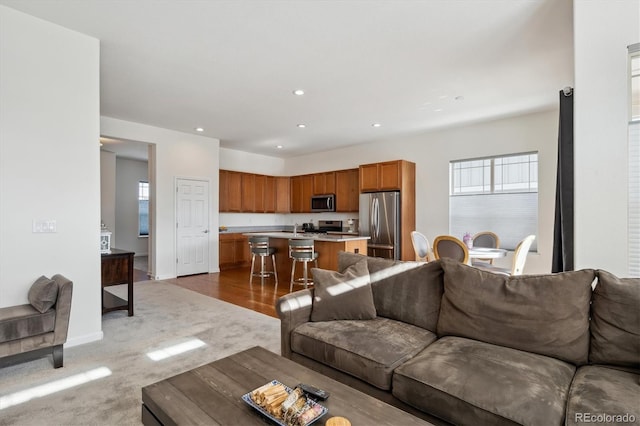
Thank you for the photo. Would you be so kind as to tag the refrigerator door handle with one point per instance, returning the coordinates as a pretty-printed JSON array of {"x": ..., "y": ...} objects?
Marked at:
[{"x": 377, "y": 219}]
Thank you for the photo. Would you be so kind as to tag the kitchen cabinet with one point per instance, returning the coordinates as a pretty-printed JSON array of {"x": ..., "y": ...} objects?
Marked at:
[
  {"x": 386, "y": 176},
  {"x": 324, "y": 183},
  {"x": 234, "y": 251},
  {"x": 230, "y": 186},
  {"x": 301, "y": 192},
  {"x": 248, "y": 192},
  {"x": 347, "y": 193},
  {"x": 283, "y": 194},
  {"x": 259, "y": 193},
  {"x": 269, "y": 194}
]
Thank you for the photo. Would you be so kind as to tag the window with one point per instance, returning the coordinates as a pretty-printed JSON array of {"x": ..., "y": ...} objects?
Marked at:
[
  {"x": 143, "y": 209},
  {"x": 634, "y": 161},
  {"x": 498, "y": 194}
]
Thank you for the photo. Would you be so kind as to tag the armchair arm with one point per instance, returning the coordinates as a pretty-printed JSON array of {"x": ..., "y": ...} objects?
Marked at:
[
  {"x": 293, "y": 309},
  {"x": 63, "y": 309}
]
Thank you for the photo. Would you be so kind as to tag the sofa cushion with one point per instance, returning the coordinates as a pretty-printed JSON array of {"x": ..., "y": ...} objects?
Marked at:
[
  {"x": 468, "y": 382},
  {"x": 18, "y": 322},
  {"x": 544, "y": 314},
  {"x": 599, "y": 394},
  {"x": 43, "y": 293},
  {"x": 615, "y": 321},
  {"x": 342, "y": 296},
  {"x": 369, "y": 350},
  {"x": 406, "y": 291}
]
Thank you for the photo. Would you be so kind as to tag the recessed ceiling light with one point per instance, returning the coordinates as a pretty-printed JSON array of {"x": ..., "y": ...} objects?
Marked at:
[
  {"x": 301, "y": 126},
  {"x": 298, "y": 92},
  {"x": 199, "y": 129},
  {"x": 438, "y": 110},
  {"x": 279, "y": 146},
  {"x": 376, "y": 124}
]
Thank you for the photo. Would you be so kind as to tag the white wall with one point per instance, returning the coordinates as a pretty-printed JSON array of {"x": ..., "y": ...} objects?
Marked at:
[
  {"x": 177, "y": 155},
  {"x": 129, "y": 173},
  {"x": 108, "y": 189},
  {"x": 432, "y": 152},
  {"x": 603, "y": 30},
  {"x": 260, "y": 164},
  {"x": 50, "y": 164}
]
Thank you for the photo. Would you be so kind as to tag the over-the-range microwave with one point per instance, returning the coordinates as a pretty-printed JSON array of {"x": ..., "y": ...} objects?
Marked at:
[{"x": 323, "y": 203}]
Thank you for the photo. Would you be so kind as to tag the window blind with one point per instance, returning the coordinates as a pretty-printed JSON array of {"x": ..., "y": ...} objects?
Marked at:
[{"x": 634, "y": 199}]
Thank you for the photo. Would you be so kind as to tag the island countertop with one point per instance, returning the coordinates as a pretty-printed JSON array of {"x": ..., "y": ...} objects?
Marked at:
[
  {"x": 327, "y": 246},
  {"x": 335, "y": 238}
]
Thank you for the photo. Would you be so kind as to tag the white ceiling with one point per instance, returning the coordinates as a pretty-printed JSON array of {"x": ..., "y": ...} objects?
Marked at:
[{"x": 231, "y": 66}]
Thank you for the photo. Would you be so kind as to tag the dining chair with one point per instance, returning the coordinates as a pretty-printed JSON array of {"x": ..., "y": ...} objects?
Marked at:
[
  {"x": 518, "y": 262},
  {"x": 485, "y": 239},
  {"x": 451, "y": 247},
  {"x": 421, "y": 247}
]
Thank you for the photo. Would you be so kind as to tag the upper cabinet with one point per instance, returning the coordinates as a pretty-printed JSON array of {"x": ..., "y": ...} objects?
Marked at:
[
  {"x": 386, "y": 176},
  {"x": 347, "y": 194},
  {"x": 324, "y": 183},
  {"x": 249, "y": 192},
  {"x": 301, "y": 192}
]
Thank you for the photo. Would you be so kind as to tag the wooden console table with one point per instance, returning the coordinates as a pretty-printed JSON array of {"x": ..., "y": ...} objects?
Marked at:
[{"x": 117, "y": 268}]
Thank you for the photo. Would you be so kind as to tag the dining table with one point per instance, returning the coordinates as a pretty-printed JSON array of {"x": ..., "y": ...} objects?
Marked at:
[{"x": 485, "y": 253}]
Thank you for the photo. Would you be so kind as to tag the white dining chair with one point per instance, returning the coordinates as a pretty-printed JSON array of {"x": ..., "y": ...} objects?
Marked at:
[
  {"x": 519, "y": 259},
  {"x": 421, "y": 247}
]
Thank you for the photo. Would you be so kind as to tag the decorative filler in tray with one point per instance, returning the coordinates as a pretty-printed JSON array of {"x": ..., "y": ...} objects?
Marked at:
[{"x": 283, "y": 405}]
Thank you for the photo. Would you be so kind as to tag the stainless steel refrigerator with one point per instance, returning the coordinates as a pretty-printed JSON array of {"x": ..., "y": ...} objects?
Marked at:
[{"x": 380, "y": 220}]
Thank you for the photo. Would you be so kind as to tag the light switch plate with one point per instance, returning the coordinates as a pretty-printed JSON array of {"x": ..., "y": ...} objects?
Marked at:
[{"x": 44, "y": 226}]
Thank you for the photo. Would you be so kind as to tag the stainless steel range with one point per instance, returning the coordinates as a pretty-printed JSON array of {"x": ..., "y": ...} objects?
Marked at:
[{"x": 325, "y": 226}]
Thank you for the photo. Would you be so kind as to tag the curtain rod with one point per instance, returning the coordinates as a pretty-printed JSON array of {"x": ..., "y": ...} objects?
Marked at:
[{"x": 567, "y": 90}]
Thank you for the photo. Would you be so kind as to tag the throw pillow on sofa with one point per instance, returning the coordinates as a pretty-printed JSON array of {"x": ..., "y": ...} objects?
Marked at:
[
  {"x": 342, "y": 296},
  {"x": 544, "y": 314},
  {"x": 43, "y": 294},
  {"x": 615, "y": 321}
]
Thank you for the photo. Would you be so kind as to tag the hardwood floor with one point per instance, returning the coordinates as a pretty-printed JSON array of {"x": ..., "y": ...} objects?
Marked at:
[{"x": 233, "y": 286}]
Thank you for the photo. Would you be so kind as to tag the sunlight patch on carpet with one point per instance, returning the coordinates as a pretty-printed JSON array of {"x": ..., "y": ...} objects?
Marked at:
[
  {"x": 53, "y": 387},
  {"x": 170, "y": 351}
]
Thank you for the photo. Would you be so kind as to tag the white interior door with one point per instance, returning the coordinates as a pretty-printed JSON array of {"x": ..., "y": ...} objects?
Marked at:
[{"x": 192, "y": 212}]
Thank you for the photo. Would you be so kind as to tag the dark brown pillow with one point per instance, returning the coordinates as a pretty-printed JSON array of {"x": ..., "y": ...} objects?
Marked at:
[
  {"x": 342, "y": 296},
  {"x": 43, "y": 294},
  {"x": 545, "y": 314},
  {"x": 615, "y": 321}
]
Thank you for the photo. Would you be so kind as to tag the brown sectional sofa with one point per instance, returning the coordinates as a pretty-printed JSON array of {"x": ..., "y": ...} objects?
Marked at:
[{"x": 471, "y": 347}]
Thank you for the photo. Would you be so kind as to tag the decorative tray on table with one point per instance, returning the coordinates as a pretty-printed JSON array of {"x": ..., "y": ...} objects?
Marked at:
[{"x": 283, "y": 405}]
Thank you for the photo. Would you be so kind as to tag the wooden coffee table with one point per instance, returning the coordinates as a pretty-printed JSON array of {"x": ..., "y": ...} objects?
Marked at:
[{"x": 212, "y": 394}]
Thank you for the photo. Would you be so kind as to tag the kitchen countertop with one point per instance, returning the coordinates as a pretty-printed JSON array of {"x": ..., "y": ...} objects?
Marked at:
[{"x": 316, "y": 237}]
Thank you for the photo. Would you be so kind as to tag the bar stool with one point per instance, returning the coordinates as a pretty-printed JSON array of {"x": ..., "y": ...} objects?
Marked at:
[
  {"x": 302, "y": 251},
  {"x": 259, "y": 246}
]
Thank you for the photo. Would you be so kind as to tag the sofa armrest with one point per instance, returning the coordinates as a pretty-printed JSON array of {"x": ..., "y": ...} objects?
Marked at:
[
  {"x": 63, "y": 309},
  {"x": 293, "y": 309}
]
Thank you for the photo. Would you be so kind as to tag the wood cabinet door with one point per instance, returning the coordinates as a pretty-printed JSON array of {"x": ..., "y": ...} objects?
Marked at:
[
  {"x": 223, "y": 197},
  {"x": 270, "y": 194},
  {"x": 248, "y": 192},
  {"x": 227, "y": 251},
  {"x": 283, "y": 197},
  {"x": 324, "y": 183},
  {"x": 259, "y": 193},
  {"x": 306, "y": 187},
  {"x": 390, "y": 176},
  {"x": 296, "y": 194},
  {"x": 234, "y": 191},
  {"x": 369, "y": 178},
  {"x": 347, "y": 190}
]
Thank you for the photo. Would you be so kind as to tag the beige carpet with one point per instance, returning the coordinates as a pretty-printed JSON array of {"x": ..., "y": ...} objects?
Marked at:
[{"x": 115, "y": 369}]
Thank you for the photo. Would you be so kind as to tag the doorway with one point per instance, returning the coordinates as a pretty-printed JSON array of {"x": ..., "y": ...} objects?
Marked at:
[{"x": 192, "y": 226}]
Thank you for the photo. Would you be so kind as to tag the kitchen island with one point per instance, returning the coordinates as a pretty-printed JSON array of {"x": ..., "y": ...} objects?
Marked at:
[{"x": 327, "y": 246}]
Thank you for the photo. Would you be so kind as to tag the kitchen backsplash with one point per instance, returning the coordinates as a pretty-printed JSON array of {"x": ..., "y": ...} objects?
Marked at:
[{"x": 265, "y": 219}]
